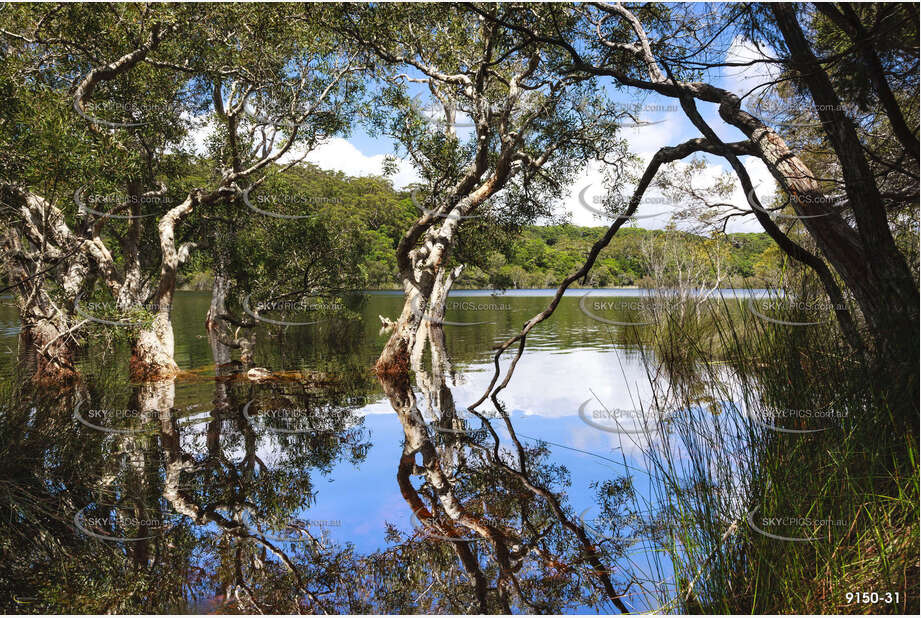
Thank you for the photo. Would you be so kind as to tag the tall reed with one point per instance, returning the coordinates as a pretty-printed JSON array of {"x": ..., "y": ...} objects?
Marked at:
[{"x": 785, "y": 479}]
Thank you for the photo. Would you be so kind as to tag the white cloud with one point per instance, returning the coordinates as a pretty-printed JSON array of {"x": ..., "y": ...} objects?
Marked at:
[
  {"x": 336, "y": 154},
  {"x": 742, "y": 79},
  {"x": 341, "y": 155}
]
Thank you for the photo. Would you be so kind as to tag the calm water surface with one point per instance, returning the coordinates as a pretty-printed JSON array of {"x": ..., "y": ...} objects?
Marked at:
[{"x": 346, "y": 488}]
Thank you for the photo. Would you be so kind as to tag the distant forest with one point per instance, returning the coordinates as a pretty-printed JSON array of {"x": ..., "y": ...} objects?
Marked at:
[{"x": 367, "y": 215}]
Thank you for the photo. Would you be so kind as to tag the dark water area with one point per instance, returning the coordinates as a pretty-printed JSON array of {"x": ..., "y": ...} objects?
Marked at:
[{"x": 213, "y": 453}]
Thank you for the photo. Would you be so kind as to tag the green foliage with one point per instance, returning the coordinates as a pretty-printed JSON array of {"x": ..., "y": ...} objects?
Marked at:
[
  {"x": 840, "y": 478},
  {"x": 542, "y": 256},
  {"x": 352, "y": 226}
]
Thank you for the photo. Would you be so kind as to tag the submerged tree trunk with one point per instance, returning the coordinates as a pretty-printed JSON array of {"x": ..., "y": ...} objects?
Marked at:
[
  {"x": 153, "y": 350},
  {"x": 221, "y": 354},
  {"x": 152, "y": 401},
  {"x": 48, "y": 352},
  {"x": 220, "y": 324},
  {"x": 395, "y": 357},
  {"x": 422, "y": 269},
  {"x": 47, "y": 346},
  {"x": 434, "y": 313},
  {"x": 433, "y": 384},
  {"x": 152, "y": 355},
  {"x": 213, "y": 320},
  {"x": 220, "y": 287}
]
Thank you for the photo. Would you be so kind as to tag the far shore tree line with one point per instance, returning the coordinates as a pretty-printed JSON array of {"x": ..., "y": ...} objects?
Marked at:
[
  {"x": 372, "y": 213},
  {"x": 121, "y": 100}
]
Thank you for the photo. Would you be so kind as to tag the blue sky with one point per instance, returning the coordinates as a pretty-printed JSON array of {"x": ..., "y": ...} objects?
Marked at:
[{"x": 361, "y": 154}]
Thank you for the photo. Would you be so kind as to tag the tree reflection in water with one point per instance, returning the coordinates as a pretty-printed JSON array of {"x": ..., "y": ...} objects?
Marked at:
[
  {"x": 201, "y": 511},
  {"x": 500, "y": 510}
]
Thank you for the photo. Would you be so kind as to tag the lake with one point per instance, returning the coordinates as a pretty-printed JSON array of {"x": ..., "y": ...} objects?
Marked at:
[{"x": 318, "y": 459}]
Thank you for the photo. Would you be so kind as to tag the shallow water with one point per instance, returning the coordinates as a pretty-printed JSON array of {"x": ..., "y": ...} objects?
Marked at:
[{"x": 326, "y": 452}]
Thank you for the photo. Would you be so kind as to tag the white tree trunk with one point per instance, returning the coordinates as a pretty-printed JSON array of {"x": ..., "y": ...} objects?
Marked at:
[{"x": 152, "y": 356}]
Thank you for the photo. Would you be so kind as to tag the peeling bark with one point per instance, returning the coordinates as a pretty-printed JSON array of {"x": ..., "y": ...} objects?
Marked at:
[
  {"x": 47, "y": 341},
  {"x": 48, "y": 355},
  {"x": 154, "y": 346}
]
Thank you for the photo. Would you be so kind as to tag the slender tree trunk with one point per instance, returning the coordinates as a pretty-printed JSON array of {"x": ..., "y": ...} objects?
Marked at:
[
  {"x": 425, "y": 287},
  {"x": 221, "y": 353},
  {"x": 152, "y": 356},
  {"x": 219, "y": 289},
  {"x": 420, "y": 266},
  {"x": 142, "y": 449},
  {"x": 213, "y": 320},
  {"x": 154, "y": 402},
  {"x": 48, "y": 352},
  {"x": 882, "y": 283}
]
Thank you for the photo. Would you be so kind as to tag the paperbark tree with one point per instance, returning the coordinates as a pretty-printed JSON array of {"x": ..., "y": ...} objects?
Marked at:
[
  {"x": 528, "y": 131},
  {"x": 267, "y": 111},
  {"x": 32, "y": 253},
  {"x": 855, "y": 241}
]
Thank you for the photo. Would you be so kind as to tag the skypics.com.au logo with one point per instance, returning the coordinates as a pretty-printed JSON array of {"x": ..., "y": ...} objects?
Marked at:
[
  {"x": 802, "y": 525},
  {"x": 634, "y": 311},
  {"x": 795, "y": 115},
  {"x": 295, "y": 530},
  {"x": 285, "y": 205},
  {"x": 287, "y": 420},
  {"x": 775, "y": 310},
  {"x": 115, "y": 204},
  {"x": 434, "y": 211},
  {"x": 606, "y": 206},
  {"x": 473, "y": 305},
  {"x": 465, "y": 423},
  {"x": 624, "y": 421},
  {"x": 288, "y": 311},
  {"x": 120, "y": 523},
  {"x": 115, "y": 115},
  {"x": 440, "y": 529},
  {"x": 771, "y": 417},
  {"x": 829, "y": 204},
  {"x": 123, "y": 421},
  {"x": 109, "y": 313}
]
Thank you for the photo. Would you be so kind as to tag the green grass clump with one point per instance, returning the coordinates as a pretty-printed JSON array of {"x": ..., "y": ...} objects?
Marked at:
[{"x": 788, "y": 482}]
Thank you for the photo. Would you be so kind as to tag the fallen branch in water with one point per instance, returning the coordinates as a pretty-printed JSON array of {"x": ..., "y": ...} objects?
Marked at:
[{"x": 664, "y": 155}]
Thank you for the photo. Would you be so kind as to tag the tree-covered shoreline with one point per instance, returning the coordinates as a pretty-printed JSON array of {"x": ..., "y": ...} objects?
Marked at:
[
  {"x": 368, "y": 210},
  {"x": 151, "y": 147}
]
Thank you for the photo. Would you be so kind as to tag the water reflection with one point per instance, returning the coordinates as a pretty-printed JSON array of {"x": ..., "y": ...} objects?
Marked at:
[
  {"x": 319, "y": 489},
  {"x": 472, "y": 489}
]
